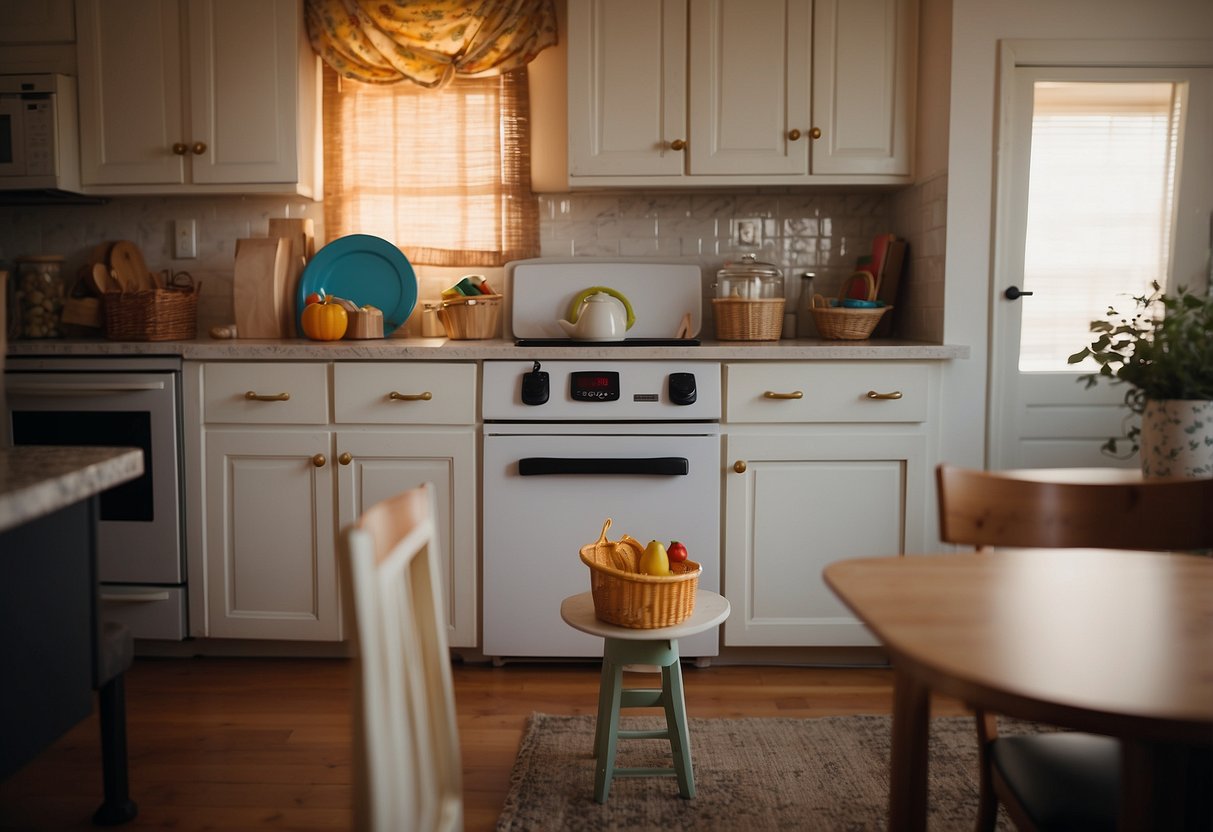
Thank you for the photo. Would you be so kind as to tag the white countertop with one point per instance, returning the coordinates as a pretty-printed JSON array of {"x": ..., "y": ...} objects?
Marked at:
[
  {"x": 442, "y": 349},
  {"x": 36, "y": 480}
]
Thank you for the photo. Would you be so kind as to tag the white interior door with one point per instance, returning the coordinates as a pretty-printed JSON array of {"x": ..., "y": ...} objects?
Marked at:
[{"x": 1105, "y": 185}]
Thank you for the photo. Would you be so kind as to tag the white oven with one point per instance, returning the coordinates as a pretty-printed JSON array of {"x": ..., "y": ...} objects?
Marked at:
[
  {"x": 636, "y": 441},
  {"x": 123, "y": 402}
]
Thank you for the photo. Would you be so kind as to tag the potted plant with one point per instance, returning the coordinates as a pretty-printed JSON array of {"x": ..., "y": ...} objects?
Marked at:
[{"x": 1163, "y": 350}]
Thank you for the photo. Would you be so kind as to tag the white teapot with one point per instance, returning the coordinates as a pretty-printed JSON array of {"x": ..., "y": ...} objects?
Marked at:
[{"x": 600, "y": 314}]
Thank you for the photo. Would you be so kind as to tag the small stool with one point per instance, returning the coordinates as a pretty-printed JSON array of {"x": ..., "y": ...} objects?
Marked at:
[{"x": 659, "y": 646}]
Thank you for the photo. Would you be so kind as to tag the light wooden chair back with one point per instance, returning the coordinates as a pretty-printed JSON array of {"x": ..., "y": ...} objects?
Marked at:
[
  {"x": 991, "y": 508},
  {"x": 407, "y": 767}
]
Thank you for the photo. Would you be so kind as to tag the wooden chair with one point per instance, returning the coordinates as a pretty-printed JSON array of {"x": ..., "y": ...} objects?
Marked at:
[
  {"x": 407, "y": 768},
  {"x": 1064, "y": 780}
]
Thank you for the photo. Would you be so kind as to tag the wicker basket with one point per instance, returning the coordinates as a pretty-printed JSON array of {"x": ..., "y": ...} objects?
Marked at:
[
  {"x": 471, "y": 318},
  {"x": 635, "y": 600},
  {"x": 746, "y": 319},
  {"x": 168, "y": 314},
  {"x": 837, "y": 322}
]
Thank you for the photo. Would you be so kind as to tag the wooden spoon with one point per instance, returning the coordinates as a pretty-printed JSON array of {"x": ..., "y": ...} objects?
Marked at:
[{"x": 101, "y": 280}]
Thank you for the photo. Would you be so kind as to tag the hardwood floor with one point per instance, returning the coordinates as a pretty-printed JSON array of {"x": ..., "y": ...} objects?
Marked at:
[{"x": 233, "y": 744}]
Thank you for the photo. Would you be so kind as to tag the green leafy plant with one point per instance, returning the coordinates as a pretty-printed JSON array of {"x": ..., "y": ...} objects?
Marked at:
[{"x": 1163, "y": 349}]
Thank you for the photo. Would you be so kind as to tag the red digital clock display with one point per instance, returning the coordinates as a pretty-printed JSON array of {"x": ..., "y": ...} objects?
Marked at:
[{"x": 594, "y": 386}]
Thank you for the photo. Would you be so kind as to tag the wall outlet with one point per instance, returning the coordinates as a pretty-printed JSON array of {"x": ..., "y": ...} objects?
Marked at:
[{"x": 185, "y": 239}]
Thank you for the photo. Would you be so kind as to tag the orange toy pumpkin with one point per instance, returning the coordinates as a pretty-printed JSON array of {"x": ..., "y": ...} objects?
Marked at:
[{"x": 324, "y": 321}]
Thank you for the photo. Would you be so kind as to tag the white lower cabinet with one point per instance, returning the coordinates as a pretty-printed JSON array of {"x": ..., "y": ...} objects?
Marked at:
[
  {"x": 277, "y": 493},
  {"x": 823, "y": 462}
]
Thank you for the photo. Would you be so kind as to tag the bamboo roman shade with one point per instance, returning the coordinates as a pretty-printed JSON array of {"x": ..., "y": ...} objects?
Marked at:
[{"x": 426, "y": 124}]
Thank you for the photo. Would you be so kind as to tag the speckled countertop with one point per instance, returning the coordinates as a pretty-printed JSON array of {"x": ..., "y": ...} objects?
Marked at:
[
  {"x": 442, "y": 349},
  {"x": 36, "y": 480}
]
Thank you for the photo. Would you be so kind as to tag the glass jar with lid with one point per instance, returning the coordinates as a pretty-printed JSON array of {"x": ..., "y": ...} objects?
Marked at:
[
  {"x": 39, "y": 292},
  {"x": 750, "y": 278}
]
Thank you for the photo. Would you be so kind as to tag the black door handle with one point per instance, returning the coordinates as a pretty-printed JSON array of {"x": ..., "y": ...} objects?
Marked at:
[
  {"x": 1015, "y": 293},
  {"x": 668, "y": 466}
]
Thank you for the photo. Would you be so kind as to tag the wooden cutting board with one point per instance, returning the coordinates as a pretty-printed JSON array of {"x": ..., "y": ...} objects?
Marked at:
[
  {"x": 129, "y": 268},
  {"x": 259, "y": 287},
  {"x": 302, "y": 236}
]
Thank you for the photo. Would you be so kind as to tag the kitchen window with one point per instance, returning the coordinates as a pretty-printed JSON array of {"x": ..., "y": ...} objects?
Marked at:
[{"x": 445, "y": 174}]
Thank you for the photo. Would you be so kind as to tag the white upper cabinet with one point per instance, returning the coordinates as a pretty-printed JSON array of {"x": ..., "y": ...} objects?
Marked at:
[
  {"x": 732, "y": 92},
  {"x": 195, "y": 96}
]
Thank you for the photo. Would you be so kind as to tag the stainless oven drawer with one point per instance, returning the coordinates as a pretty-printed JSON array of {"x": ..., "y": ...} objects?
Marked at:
[{"x": 149, "y": 611}]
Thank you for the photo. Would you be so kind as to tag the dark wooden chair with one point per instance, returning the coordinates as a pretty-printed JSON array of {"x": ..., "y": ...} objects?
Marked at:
[{"x": 1064, "y": 780}]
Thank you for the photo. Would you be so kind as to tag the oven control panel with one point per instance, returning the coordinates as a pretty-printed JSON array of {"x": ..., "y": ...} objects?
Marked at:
[{"x": 601, "y": 391}]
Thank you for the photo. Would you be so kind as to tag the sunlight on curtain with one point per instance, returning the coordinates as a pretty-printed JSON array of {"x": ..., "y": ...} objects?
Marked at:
[
  {"x": 444, "y": 174},
  {"x": 1100, "y": 208}
]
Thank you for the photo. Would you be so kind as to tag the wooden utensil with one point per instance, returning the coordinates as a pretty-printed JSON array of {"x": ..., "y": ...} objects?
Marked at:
[
  {"x": 129, "y": 267},
  {"x": 302, "y": 235},
  {"x": 101, "y": 280},
  {"x": 684, "y": 327}
]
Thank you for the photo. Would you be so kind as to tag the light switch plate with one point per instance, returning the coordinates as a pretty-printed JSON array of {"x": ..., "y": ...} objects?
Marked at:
[{"x": 185, "y": 239}]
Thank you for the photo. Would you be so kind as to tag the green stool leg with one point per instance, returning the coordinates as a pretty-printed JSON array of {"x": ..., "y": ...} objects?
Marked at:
[
  {"x": 612, "y": 697},
  {"x": 676, "y": 720},
  {"x": 606, "y": 733}
]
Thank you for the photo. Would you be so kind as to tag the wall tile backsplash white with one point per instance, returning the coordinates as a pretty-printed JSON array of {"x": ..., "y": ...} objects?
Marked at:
[{"x": 822, "y": 231}]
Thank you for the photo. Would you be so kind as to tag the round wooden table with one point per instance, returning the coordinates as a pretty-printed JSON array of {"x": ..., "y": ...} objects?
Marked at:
[{"x": 1110, "y": 642}]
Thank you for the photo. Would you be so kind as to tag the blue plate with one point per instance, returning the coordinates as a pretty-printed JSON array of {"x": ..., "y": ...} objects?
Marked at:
[{"x": 367, "y": 270}]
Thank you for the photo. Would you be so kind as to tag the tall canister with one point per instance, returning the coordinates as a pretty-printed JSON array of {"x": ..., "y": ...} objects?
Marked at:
[{"x": 39, "y": 295}]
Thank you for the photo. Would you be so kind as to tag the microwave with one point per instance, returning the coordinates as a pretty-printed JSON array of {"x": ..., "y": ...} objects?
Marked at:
[{"x": 39, "y": 144}]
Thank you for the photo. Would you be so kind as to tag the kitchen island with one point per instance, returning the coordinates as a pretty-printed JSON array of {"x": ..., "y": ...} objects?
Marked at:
[{"x": 49, "y": 632}]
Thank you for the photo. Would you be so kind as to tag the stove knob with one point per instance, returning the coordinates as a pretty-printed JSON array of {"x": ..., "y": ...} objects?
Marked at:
[
  {"x": 535, "y": 387},
  {"x": 682, "y": 388}
]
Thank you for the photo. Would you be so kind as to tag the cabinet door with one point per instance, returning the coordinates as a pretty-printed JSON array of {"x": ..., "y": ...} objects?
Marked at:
[
  {"x": 243, "y": 94},
  {"x": 130, "y": 92},
  {"x": 803, "y": 502},
  {"x": 749, "y": 86},
  {"x": 627, "y": 87},
  {"x": 270, "y": 557},
  {"x": 863, "y": 85},
  {"x": 381, "y": 465}
]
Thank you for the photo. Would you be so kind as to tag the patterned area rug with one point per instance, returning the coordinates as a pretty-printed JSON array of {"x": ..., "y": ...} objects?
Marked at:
[{"x": 750, "y": 775}]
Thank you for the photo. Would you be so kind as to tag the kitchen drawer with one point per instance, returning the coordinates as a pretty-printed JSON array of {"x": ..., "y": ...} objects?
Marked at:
[
  {"x": 404, "y": 393},
  {"x": 294, "y": 394},
  {"x": 842, "y": 391},
  {"x": 149, "y": 611}
]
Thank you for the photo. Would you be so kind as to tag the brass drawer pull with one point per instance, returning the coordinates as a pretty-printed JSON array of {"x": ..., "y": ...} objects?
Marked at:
[
  {"x": 793, "y": 135},
  {"x": 254, "y": 396},
  {"x": 410, "y": 397},
  {"x": 346, "y": 458},
  {"x": 180, "y": 148},
  {"x": 739, "y": 466},
  {"x": 678, "y": 144},
  {"x": 896, "y": 394},
  {"x": 319, "y": 460},
  {"x": 815, "y": 133},
  {"x": 771, "y": 394}
]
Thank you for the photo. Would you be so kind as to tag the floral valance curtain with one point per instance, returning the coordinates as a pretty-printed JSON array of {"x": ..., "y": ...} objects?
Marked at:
[{"x": 428, "y": 42}]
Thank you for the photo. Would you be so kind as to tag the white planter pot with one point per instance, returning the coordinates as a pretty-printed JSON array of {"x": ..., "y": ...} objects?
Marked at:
[{"x": 1177, "y": 439}]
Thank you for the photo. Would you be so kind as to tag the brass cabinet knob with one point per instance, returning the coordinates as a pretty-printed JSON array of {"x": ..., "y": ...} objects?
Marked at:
[
  {"x": 678, "y": 144},
  {"x": 739, "y": 466},
  {"x": 199, "y": 148},
  {"x": 179, "y": 148},
  {"x": 254, "y": 396},
  {"x": 771, "y": 394},
  {"x": 815, "y": 133},
  {"x": 410, "y": 397},
  {"x": 319, "y": 460},
  {"x": 896, "y": 394},
  {"x": 793, "y": 135},
  {"x": 346, "y": 458}
]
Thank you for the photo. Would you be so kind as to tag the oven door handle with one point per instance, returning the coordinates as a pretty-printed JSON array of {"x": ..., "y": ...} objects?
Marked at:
[
  {"x": 86, "y": 388},
  {"x": 665, "y": 466}
]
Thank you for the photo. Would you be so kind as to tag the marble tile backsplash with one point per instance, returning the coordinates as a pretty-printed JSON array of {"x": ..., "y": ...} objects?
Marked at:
[{"x": 823, "y": 232}]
